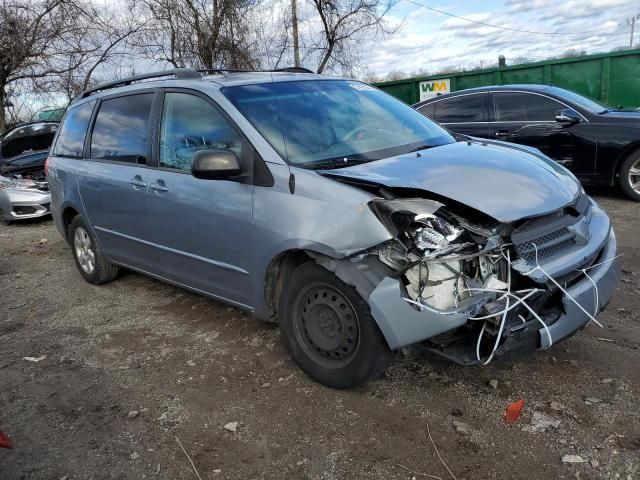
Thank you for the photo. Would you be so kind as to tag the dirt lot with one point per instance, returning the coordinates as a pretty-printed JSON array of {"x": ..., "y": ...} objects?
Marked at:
[{"x": 189, "y": 366}]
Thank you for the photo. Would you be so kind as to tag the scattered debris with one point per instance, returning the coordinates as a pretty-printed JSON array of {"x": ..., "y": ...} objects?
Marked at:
[
  {"x": 189, "y": 458},
  {"x": 595, "y": 463},
  {"x": 572, "y": 459},
  {"x": 592, "y": 400},
  {"x": 19, "y": 305},
  {"x": 134, "y": 456},
  {"x": 163, "y": 416},
  {"x": 493, "y": 384},
  {"x": 217, "y": 471},
  {"x": 231, "y": 426},
  {"x": 191, "y": 363},
  {"x": 461, "y": 427},
  {"x": 4, "y": 441},
  {"x": 607, "y": 380},
  {"x": 266, "y": 385},
  {"x": 438, "y": 453},
  {"x": 604, "y": 339},
  {"x": 132, "y": 414},
  {"x": 35, "y": 359},
  {"x": 157, "y": 470},
  {"x": 558, "y": 407},
  {"x": 540, "y": 422},
  {"x": 43, "y": 241},
  {"x": 514, "y": 410}
]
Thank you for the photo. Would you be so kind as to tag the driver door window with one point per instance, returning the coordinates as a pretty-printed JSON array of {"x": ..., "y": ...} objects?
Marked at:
[{"x": 191, "y": 124}]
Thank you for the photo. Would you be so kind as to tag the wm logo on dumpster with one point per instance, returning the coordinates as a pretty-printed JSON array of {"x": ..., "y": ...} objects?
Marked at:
[{"x": 433, "y": 88}]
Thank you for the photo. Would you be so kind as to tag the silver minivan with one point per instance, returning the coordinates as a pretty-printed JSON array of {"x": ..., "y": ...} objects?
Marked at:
[{"x": 326, "y": 205}]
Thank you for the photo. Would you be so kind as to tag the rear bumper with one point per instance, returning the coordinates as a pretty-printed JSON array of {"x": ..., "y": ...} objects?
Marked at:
[{"x": 403, "y": 325}]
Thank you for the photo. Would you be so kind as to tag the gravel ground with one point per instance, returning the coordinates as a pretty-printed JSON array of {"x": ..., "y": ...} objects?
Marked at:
[{"x": 189, "y": 366}]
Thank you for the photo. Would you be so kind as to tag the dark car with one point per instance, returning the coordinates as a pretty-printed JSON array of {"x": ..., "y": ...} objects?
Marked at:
[{"x": 599, "y": 144}]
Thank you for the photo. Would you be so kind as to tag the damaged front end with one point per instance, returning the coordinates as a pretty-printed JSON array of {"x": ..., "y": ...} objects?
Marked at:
[{"x": 473, "y": 289}]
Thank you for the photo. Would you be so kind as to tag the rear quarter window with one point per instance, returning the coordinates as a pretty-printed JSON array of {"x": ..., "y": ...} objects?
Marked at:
[{"x": 71, "y": 137}]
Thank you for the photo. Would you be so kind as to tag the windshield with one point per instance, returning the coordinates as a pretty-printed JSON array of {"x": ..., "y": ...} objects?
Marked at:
[
  {"x": 587, "y": 103},
  {"x": 319, "y": 122}
]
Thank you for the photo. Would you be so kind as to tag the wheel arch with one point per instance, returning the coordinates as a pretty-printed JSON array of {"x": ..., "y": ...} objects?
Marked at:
[
  {"x": 280, "y": 268},
  {"x": 628, "y": 151}
]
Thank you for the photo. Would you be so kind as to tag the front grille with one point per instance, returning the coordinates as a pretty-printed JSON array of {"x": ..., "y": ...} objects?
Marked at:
[{"x": 548, "y": 245}]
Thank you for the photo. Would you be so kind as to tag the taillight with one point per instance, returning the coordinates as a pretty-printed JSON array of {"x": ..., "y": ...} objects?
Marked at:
[{"x": 47, "y": 162}]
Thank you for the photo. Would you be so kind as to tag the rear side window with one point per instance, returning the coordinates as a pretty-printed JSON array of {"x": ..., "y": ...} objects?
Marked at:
[
  {"x": 524, "y": 107},
  {"x": 71, "y": 137},
  {"x": 190, "y": 124},
  {"x": 121, "y": 130},
  {"x": 463, "y": 109},
  {"x": 428, "y": 110}
]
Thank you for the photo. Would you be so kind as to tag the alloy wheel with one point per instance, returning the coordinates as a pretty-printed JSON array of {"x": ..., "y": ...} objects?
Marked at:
[
  {"x": 634, "y": 176},
  {"x": 84, "y": 250}
]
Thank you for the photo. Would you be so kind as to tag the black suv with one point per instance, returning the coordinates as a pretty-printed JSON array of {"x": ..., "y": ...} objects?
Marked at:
[{"x": 600, "y": 144}]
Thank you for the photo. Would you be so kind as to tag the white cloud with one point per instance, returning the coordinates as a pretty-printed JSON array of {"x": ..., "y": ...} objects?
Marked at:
[{"x": 431, "y": 41}]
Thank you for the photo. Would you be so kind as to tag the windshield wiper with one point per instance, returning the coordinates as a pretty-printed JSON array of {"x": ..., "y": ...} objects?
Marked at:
[
  {"x": 334, "y": 163},
  {"x": 420, "y": 147}
]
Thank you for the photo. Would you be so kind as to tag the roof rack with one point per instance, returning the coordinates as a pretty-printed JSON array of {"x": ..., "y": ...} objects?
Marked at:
[
  {"x": 179, "y": 73},
  {"x": 234, "y": 70}
]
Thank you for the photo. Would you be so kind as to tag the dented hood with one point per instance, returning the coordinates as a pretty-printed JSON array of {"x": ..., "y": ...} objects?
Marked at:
[{"x": 507, "y": 182}]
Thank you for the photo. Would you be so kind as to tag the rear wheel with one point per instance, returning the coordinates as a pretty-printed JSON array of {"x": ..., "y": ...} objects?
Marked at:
[
  {"x": 329, "y": 330},
  {"x": 90, "y": 262},
  {"x": 629, "y": 178}
]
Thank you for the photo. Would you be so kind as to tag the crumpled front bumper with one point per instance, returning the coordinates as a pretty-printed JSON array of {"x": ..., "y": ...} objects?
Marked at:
[
  {"x": 403, "y": 325},
  {"x": 605, "y": 276}
]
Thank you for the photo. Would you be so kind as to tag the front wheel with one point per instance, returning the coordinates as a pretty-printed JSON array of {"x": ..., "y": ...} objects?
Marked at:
[
  {"x": 329, "y": 330},
  {"x": 93, "y": 267},
  {"x": 629, "y": 178}
]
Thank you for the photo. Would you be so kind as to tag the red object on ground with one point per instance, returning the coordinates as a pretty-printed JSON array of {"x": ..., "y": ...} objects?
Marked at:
[
  {"x": 513, "y": 411},
  {"x": 4, "y": 441}
]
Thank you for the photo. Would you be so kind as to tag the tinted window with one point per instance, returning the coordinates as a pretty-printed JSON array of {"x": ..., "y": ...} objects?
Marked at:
[
  {"x": 71, "y": 137},
  {"x": 524, "y": 107},
  {"x": 428, "y": 110},
  {"x": 465, "y": 108},
  {"x": 122, "y": 129},
  {"x": 190, "y": 124}
]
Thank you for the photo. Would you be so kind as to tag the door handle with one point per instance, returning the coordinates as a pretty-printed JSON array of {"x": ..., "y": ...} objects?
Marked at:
[
  {"x": 159, "y": 188},
  {"x": 501, "y": 134},
  {"x": 137, "y": 182}
]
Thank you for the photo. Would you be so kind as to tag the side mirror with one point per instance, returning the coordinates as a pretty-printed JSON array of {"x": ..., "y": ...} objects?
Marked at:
[
  {"x": 215, "y": 164},
  {"x": 567, "y": 115}
]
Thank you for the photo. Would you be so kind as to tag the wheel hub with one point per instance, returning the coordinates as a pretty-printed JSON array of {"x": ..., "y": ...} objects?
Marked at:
[{"x": 327, "y": 326}]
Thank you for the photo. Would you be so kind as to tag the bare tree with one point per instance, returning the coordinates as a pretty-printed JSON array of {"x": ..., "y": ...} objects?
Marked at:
[
  {"x": 343, "y": 22},
  {"x": 35, "y": 43},
  {"x": 202, "y": 33}
]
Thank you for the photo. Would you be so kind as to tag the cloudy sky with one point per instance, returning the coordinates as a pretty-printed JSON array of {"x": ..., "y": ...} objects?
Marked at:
[{"x": 431, "y": 41}]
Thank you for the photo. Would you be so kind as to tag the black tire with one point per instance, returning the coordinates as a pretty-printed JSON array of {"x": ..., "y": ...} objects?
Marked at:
[
  {"x": 328, "y": 329},
  {"x": 102, "y": 271},
  {"x": 625, "y": 179}
]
